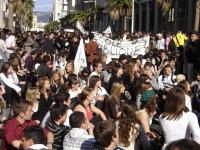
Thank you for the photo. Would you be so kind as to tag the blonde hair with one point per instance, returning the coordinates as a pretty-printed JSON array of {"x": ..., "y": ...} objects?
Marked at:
[
  {"x": 52, "y": 82},
  {"x": 116, "y": 91},
  {"x": 31, "y": 94}
]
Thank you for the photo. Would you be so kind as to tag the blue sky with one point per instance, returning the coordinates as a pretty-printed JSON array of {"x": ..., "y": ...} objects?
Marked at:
[{"x": 43, "y": 5}]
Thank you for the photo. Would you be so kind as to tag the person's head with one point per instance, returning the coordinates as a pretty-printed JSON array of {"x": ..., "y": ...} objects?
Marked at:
[
  {"x": 103, "y": 58},
  {"x": 117, "y": 69},
  {"x": 198, "y": 76},
  {"x": 33, "y": 54},
  {"x": 72, "y": 81},
  {"x": 151, "y": 105},
  {"x": 95, "y": 81},
  {"x": 22, "y": 109},
  {"x": 87, "y": 94},
  {"x": 91, "y": 36},
  {"x": 127, "y": 121},
  {"x": 58, "y": 112},
  {"x": 43, "y": 84},
  {"x": 185, "y": 86},
  {"x": 172, "y": 62},
  {"x": 163, "y": 54},
  {"x": 69, "y": 67},
  {"x": 148, "y": 69},
  {"x": 47, "y": 59},
  {"x": 168, "y": 70},
  {"x": 117, "y": 88},
  {"x": 56, "y": 77},
  {"x": 6, "y": 69},
  {"x": 194, "y": 36},
  {"x": 175, "y": 104},
  {"x": 105, "y": 134},
  {"x": 77, "y": 120},
  {"x": 32, "y": 94},
  {"x": 98, "y": 67},
  {"x": 133, "y": 68},
  {"x": 33, "y": 135},
  {"x": 62, "y": 98},
  {"x": 123, "y": 59},
  {"x": 183, "y": 144}
]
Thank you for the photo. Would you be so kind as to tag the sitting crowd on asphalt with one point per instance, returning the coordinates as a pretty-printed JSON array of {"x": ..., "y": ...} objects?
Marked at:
[{"x": 150, "y": 102}]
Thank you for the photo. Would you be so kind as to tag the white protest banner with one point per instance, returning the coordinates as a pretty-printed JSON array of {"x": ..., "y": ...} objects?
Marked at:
[
  {"x": 108, "y": 31},
  {"x": 80, "y": 61},
  {"x": 114, "y": 48}
]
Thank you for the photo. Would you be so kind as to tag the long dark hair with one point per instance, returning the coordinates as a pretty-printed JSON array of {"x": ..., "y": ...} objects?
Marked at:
[
  {"x": 127, "y": 124},
  {"x": 175, "y": 104}
]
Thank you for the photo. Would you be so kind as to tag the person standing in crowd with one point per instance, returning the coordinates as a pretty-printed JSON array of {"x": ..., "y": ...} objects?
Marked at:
[
  {"x": 91, "y": 49},
  {"x": 160, "y": 43},
  {"x": 179, "y": 40},
  {"x": 191, "y": 55},
  {"x": 48, "y": 45},
  {"x": 10, "y": 44}
]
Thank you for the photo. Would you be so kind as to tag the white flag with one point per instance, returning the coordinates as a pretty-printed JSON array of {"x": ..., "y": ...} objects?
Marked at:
[
  {"x": 108, "y": 31},
  {"x": 80, "y": 61},
  {"x": 80, "y": 27}
]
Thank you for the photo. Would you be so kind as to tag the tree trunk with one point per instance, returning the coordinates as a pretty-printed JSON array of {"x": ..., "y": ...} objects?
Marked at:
[
  {"x": 10, "y": 15},
  {"x": 197, "y": 11}
]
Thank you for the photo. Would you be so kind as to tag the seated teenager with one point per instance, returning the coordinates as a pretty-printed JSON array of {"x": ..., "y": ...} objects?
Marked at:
[
  {"x": 58, "y": 116},
  {"x": 34, "y": 139},
  {"x": 13, "y": 129},
  {"x": 78, "y": 137}
]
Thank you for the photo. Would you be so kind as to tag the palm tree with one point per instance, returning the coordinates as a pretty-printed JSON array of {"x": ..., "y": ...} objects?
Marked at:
[
  {"x": 197, "y": 11},
  {"x": 165, "y": 5},
  {"x": 120, "y": 8},
  {"x": 24, "y": 13},
  {"x": 10, "y": 15}
]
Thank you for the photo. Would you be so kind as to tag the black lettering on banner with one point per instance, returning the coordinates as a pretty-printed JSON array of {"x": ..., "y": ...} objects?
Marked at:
[
  {"x": 105, "y": 49},
  {"x": 107, "y": 41},
  {"x": 122, "y": 51}
]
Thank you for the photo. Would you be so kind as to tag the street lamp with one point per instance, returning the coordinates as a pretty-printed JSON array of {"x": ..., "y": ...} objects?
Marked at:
[{"x": 133, "y": 14}]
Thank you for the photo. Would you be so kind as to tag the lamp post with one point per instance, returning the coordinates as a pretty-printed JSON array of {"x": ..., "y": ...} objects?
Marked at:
[{"x": 133, "y": 14}]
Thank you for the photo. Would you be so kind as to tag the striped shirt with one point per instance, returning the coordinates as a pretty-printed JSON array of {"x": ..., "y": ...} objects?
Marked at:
[{"x": 59, "y": 132}]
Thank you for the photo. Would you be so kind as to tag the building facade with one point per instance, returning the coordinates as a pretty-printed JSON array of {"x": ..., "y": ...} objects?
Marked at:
[
  {"x": 60, "y": 9},
  {"x": 148, "y": 16}
]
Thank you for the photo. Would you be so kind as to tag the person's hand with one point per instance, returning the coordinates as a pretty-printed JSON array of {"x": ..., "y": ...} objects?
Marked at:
[{"x": 50, "y": 146}]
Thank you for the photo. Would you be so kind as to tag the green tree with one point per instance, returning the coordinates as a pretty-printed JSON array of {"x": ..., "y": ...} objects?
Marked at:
[
  {"x": 24, "y": 14},
  {"x": 52, "y": 26},
  {"x": 119, "y": 8}
]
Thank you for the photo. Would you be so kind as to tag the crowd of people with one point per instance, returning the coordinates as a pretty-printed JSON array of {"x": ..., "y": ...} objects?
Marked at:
[{"x": 150, "y": 102}]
